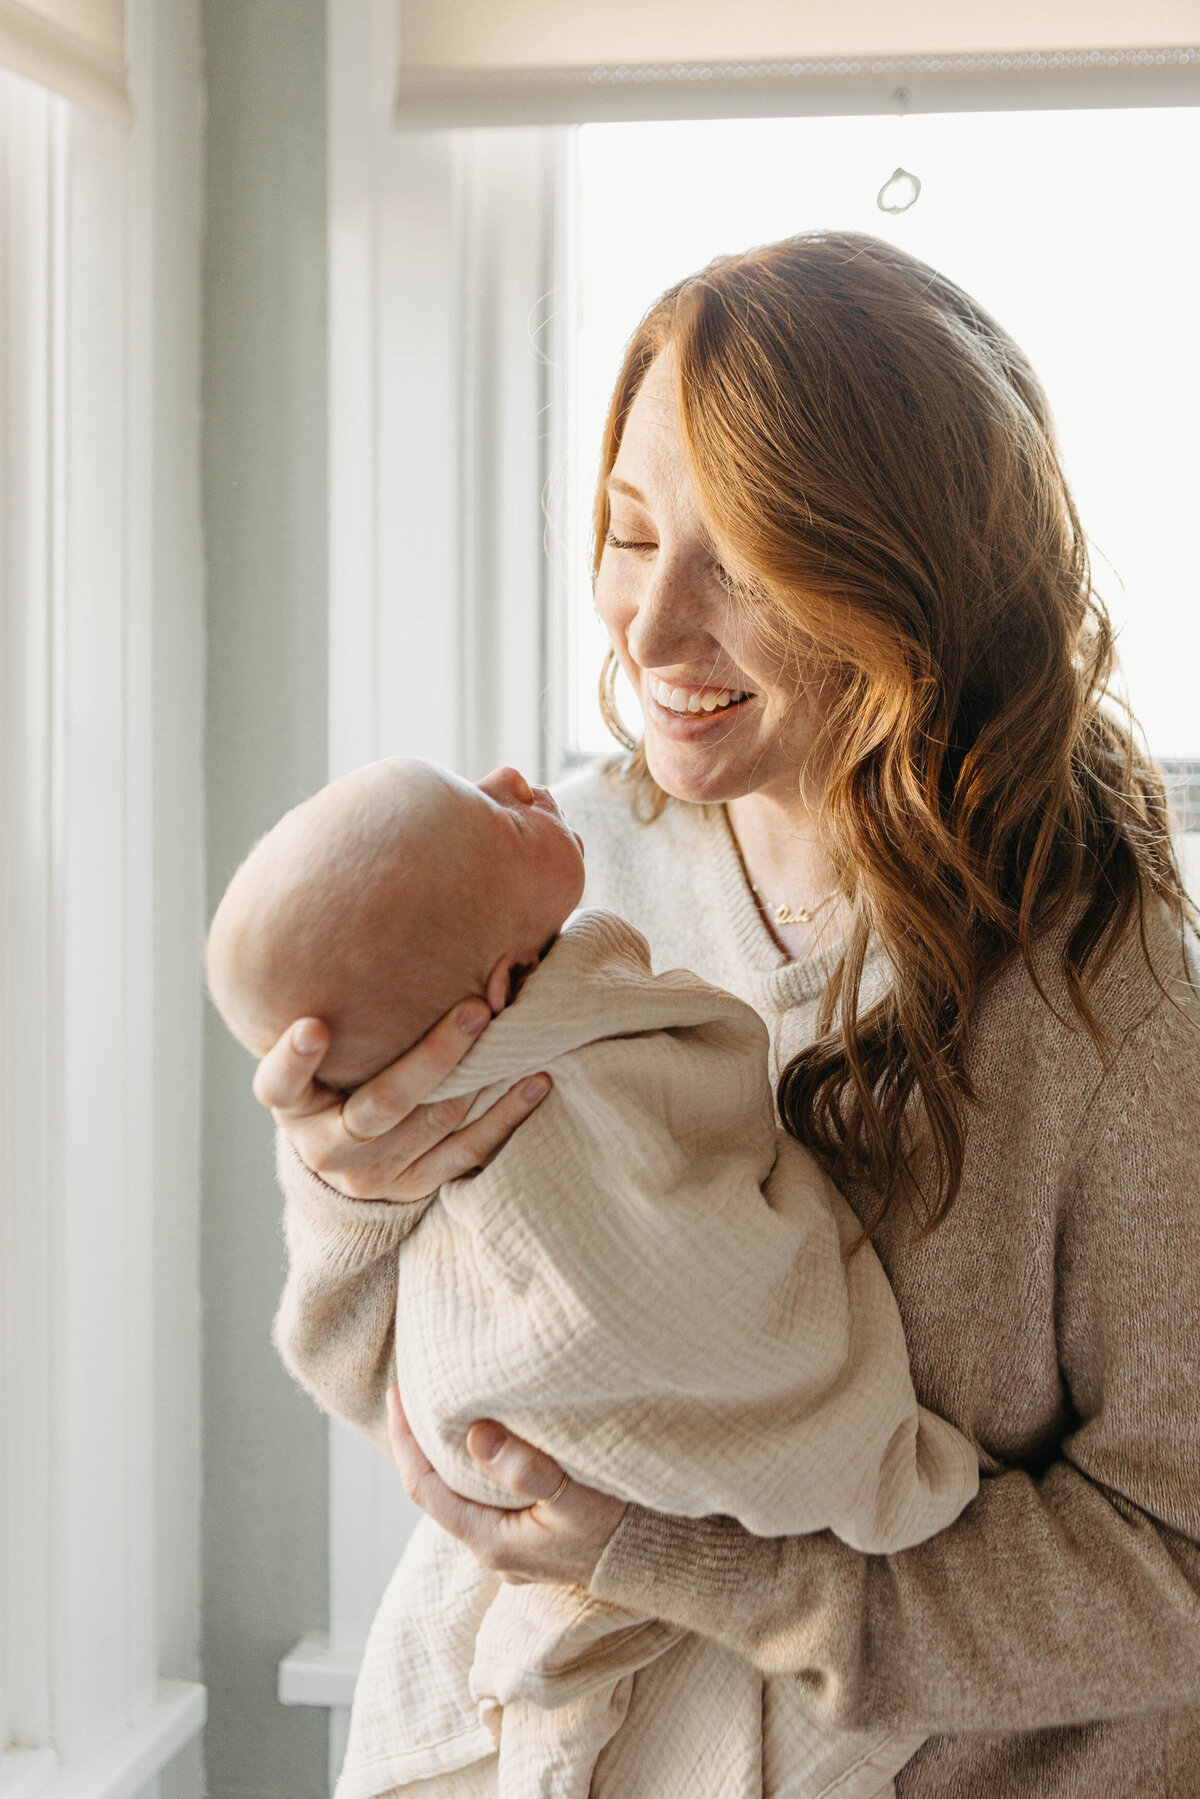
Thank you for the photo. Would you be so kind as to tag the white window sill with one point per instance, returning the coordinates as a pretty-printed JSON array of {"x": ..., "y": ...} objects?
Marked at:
[
  {"x": 314, "y": 1674},
  {"x": 120, "y": 1769}
]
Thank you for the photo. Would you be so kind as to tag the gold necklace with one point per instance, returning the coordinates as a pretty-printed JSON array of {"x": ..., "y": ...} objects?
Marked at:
[{"x": 784, "y": 914}]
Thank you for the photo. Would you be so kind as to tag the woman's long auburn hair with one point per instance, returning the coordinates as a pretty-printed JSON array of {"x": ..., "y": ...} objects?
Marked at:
[{"x": 876, "y": 458}]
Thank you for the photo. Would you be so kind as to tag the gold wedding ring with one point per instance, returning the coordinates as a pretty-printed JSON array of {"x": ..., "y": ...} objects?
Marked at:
[{"x": 558, "y": 1492}]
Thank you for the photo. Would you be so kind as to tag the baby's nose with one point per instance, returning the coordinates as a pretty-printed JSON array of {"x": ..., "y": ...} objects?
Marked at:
[{"x": 508, "y": 784}]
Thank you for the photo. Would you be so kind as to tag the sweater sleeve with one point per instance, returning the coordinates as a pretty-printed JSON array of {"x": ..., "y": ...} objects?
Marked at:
[
  {"x": 336, "y": 1323},
  {"x": 1064, "y": 1594}
]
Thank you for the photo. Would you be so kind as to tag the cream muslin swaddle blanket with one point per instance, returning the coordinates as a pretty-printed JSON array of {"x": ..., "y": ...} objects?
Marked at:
[{"x": 653, "y": 1285}]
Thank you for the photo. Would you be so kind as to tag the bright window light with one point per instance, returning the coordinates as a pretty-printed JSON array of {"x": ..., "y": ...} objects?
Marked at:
[{"x": 1077, "y": 230}]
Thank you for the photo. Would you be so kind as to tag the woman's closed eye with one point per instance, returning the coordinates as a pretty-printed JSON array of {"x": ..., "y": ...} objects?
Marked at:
[
  {"x": 627, "y": 543},
  {"x": 647, "y": 547}
]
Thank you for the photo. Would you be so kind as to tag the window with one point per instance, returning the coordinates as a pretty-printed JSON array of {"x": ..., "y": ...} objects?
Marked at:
[
  {"x": 482, "y": 284},
  {"x": 1075, "y": 229}
]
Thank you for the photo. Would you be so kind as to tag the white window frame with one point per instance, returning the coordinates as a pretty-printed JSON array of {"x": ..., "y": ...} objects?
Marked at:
[
  {"x": 83, "y": 1711},
  {"x": 449, "y": 509},
  {"x": 442, "y": 250}
]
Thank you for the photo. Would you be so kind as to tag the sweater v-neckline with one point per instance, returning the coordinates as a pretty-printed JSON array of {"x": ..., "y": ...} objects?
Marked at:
[{"x": 784, "y": 981}]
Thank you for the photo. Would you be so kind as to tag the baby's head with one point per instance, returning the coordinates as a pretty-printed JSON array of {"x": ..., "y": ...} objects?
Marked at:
[{"x": 384, "y": 899}]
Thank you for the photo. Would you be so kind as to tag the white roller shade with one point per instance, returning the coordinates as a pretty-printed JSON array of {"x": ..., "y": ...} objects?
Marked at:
[
  {"x": 529, "y": 61},
  {"x": 73, "y": 47}
]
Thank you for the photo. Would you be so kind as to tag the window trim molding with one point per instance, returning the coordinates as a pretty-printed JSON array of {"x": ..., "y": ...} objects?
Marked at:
[{"x": 966, "y": 81}]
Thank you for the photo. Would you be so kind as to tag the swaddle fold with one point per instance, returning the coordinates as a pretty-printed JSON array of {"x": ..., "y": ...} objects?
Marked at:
[{"x": 653, "y": 1285}]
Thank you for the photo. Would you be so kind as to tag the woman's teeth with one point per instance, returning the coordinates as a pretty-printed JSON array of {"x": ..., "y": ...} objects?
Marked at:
[{"x": 695, "y": 699}]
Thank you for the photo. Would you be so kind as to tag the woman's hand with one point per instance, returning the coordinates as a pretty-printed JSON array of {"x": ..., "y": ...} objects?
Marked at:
[
  {"x": 557, "y": 1539},
  {"x": 384, "y": 1142}
]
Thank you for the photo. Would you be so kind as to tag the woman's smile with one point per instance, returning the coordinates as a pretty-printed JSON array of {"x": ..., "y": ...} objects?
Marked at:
[{"x": 689, "y": 712}]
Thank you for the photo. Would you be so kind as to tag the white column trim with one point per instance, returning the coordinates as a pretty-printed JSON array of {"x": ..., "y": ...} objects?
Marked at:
[
  {"x": 25, "y": 1773},
  {"x": 358, "y": 31},
  {"x": 82, "y": 1712}
]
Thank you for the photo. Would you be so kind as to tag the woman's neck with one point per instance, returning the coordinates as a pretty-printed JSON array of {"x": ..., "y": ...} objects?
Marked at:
[{"x": 785, "y": 863}]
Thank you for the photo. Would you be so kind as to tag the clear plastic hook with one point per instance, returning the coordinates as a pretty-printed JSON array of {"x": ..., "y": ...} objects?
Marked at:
[{"x": 901, "y": 190}]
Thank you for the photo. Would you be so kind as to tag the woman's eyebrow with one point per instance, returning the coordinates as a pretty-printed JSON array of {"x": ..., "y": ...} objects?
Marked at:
[{"x": 616, "y": 485}]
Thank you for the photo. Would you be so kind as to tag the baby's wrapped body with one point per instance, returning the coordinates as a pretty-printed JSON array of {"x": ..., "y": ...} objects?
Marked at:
[{"x": 652, "y": 1285}]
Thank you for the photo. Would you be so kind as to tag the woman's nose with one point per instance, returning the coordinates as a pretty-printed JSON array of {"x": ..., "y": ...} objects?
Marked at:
[{"x": 667, "y": 626}]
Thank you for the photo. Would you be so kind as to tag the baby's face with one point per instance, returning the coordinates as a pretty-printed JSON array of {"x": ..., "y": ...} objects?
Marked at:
[{"x": 537, "y": 855}]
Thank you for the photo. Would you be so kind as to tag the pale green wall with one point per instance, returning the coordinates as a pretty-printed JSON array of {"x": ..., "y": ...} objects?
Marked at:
[{"x": 265, "y": 1500}]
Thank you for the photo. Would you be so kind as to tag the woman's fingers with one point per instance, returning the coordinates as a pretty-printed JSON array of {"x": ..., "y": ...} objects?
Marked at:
[
  {"x": 416, "y": 1156},
  {"x": 558, "y": 1534},
  {"x": 382, "y": 1102},
  {"x": 471, "y": 1147},
  {"x": 383, "y": 1141},
  {"x": 528, "y": 1473},
  {"x": 419, "y": 1154},
  {"x": 387, "y": 1167},
  {"x": 285, "y": 1079}
]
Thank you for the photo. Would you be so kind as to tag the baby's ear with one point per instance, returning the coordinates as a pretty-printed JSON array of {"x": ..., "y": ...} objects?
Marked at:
[{"x": 499, "y": 985}]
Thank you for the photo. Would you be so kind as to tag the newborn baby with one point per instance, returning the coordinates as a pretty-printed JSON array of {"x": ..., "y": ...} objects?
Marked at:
[
  {"x": 382, "y": 901},
  {"x": 647, "y": 1281}
]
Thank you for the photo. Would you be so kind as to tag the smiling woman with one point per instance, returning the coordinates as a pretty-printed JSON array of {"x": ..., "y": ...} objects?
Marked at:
[
  {"x": 833, "y": 500},
  {"x": 829, "y": 483}
]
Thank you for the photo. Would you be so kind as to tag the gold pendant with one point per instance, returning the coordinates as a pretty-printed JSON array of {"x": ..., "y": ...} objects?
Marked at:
[{"x": 785, "y": 915}]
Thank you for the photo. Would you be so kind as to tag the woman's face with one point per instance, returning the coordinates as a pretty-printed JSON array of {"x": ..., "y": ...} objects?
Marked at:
[{"x": 724, "y": 717}]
